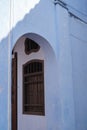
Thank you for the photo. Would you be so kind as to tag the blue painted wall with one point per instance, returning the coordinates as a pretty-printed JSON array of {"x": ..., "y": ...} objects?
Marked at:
[
  {"x": 79, "y": 66},
  {"x": 67, "y": 37},
  {"x": 3, "y": 85},
  {"x": 77, "y": 7}
]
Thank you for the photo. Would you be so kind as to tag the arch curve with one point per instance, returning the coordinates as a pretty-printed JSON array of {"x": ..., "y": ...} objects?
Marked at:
[
  {"x": 47, "y": 54},
  {"x": 44, "y": 43}
]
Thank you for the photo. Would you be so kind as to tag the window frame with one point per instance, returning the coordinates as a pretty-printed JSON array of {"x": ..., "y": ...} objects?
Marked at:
[
  {"x": 30, "y": 112},
  {"x": 32, "y": 49}
]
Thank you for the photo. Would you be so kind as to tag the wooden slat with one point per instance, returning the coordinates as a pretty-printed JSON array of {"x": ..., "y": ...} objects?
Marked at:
[
  {"x": 14, "y": 92},
  {"x": 35, "y": 88}
]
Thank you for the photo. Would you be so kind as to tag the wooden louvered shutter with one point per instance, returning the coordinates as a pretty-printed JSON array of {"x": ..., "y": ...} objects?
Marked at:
[
  {"x": 14, "y": 92},
  {"x": 33, "y": 88}
]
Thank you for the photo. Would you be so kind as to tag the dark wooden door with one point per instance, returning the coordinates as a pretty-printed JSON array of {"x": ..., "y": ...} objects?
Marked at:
[{"x": 14, "y": 92}]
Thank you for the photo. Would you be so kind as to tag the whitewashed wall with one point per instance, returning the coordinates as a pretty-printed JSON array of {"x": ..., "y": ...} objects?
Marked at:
[
  {"x": 26, "y": 121},
  {"x": 36, "y": 122}
]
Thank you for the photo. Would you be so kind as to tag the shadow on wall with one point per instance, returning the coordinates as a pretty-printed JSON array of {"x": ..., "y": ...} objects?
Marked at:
[
  {"x": 32, "y": 22},
  {"x": 28, "y": 24}
]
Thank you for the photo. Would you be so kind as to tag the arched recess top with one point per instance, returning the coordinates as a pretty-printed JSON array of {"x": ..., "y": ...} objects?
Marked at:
[{"x": 42, "y": 42}]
